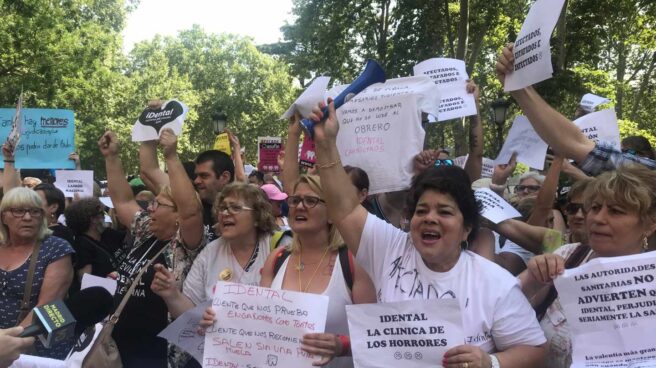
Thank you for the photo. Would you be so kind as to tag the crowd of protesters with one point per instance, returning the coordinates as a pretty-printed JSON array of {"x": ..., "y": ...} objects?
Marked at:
[{"x": 321, "y": 232}]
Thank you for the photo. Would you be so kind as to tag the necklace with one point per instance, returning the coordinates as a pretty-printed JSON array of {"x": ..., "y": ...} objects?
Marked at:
[{"x": 300, "y": 268}]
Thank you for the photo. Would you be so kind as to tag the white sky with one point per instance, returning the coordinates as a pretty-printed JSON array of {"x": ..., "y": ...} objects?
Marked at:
[{"x": 260, "y": 19}]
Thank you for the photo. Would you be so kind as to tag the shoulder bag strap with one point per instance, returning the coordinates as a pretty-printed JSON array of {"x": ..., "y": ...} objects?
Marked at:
[
  {"x": 25, "y": 304},
  {"x": 117, "y": 313}
]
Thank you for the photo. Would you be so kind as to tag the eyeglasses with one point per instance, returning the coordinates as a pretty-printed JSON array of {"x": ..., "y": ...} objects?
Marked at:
[
  {"x": 20, "y": 212},
  {"x": 308, "y": 201},
  {"x": 155, "y": 204},
  {"x": 529, "y": 188},
  {"x": 233, "y": 209},
  {"x": 445, "y": 162},
  {"x": 573, "y": 208}
]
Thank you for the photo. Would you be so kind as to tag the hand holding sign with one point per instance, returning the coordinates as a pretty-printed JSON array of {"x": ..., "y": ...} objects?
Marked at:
[
  {"x": 325, "y": 130},
  {"x": 325, "y": 345},
  {"x": 154, "y": 118},
  {"x": 7, "y": 151},
  {"x": 544, "y": 268},
  {"x": 169, "y": 142}
]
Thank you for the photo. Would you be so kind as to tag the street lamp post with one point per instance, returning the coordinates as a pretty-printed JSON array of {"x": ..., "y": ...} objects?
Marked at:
[
  {"x": 499, "y": 110},
  {"x": 219, "y": 121}
]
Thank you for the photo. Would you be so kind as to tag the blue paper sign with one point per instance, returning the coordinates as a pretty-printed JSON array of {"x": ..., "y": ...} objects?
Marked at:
[{"x": 47, "y": 138}]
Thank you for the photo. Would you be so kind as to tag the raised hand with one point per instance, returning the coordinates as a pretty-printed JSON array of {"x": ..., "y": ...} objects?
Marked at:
[
  {"x": 169, "y": 142},
  {"x": 108, "y": 144},
  {"x": 505, "y": 63},
  {"x": 326, "y": 130}
]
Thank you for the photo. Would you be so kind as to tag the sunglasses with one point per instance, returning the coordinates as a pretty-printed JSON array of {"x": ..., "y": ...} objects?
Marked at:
[
  {"x": 574, "y": 208},
  {"x": 445, "y": 162},
  {"x": 529, "y": 188},
  {"x": 630, "y": 151}
]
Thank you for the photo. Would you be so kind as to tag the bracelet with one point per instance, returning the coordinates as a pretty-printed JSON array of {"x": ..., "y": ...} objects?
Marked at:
[
  {"x": 10, "y": 161},
  {"x": 346, "y": 344},
  {"x": 328, "y": 165}
]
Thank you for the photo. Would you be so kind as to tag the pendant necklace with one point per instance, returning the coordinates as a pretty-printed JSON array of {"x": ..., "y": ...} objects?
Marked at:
[{"x": 300, "y": 267}]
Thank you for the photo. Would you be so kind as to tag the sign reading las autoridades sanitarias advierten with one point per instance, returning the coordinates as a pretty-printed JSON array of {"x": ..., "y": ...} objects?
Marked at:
[{"x": 47, "y": 138}]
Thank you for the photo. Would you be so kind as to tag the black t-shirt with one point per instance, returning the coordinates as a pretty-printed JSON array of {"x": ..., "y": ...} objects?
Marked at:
[
  {"x": 145, "y": 314},
  {"x": 63, "y": 232},
  {"x": 209, "y": 222},
  {"x": 91, "y": 252}
]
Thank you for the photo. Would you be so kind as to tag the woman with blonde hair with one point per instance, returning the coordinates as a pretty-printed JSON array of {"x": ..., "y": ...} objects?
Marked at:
[{"x": 27, "y": 250}]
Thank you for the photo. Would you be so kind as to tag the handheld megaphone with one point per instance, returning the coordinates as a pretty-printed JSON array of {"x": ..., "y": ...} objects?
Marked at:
[{"x": 372, "y": 74}]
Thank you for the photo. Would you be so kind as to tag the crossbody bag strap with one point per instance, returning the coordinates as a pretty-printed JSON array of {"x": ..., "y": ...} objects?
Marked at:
[
  {"x": 117, "y": 313},
  {"x": 27, "y": 295}
]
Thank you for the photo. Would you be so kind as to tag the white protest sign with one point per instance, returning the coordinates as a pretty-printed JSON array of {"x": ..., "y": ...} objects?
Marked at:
[
  {"x": 450, "y": 76},
  {"x": 106, "y": 201},
  {"x": 460, "y": 161},
  {"x": 309, "y": 99},
  {"x": 532, "y": 48},
  {"x": 610, "y": 305},
  {"x": 73, "y": 182},
  {"x": 495, "y": 208},
  {"x": 149, "y": 125},
  {"x": 590, "y": 101},
  {"x": 262, "y": 327},
  {"x": 600, "y": 126},
  {"x": 183, "y": 332},
  {"x": 413, "y": 333},
  {"x": 522, "y": 138},
  {"x": 487, "y": 168},
  {"x": 380, "y": 130},
  {"x": 89, "y": 280}
]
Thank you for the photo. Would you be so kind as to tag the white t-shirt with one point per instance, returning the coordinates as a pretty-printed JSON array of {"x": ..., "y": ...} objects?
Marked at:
[
  {"x": 511, "y": 247},
  {"x": 216, "y": 257},
  {"x": 495, "y": 313}
]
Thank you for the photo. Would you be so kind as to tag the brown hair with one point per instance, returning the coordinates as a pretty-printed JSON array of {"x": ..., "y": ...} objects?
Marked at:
[{"x": 265, "y": 222}]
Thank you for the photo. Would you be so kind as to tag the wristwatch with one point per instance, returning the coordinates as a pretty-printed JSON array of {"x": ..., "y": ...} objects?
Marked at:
[{"x": 495, "y": 361}]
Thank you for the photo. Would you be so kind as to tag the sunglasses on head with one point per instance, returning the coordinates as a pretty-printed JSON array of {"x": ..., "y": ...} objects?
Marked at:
[
  {"x": 445, "y": 162},
  {"x": 630, "y": 151},
  {"x": 573, "y": 208}
]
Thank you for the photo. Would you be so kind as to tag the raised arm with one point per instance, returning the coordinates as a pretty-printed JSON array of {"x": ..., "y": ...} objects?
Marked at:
[
  {"x": 240, "y": 173},
  {"x": 554, "y": 128},
  {"x": 474, "y": 163},
  {"x": 11, "y": 176},
  {"x": 545, "y": 198},
  {"x": 182, "y": 190},
  {"x": 149, "y": 170},
  {"x": 119, "y": 189},
  {"x": 290, "y": 170},
  {"x": 344, "y": 207}
]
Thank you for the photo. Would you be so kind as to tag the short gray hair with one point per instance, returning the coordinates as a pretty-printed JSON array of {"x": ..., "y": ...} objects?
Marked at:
[
  {"x": 22, "y": 197},
  {"x": 532, "y": 175}
]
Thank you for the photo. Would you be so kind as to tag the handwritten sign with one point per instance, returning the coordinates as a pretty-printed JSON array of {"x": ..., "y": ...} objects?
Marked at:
[
  {"x": 589, "y": 101},
  {"x": 532, "y": 47},
  {"x": 600, "y": 126},
  {"x": 222, "y": 143},
  {"x": 610, "y": 304},
  {"x": 412, "y": 333},
  {"x": 380, "y": 130},
  {"x": 309, "y": 99},
  {"x": 183, "y": 332},
  {"x": 307, "y": 154},
  {"x": 267, "y": 154},
  {"x": 47, "y": 138},
  {"x": 450, "y": 76},
  {"x": 73, "y": 182},
  {"x": 495, "y": 208},
  {"x": 262, "y": 327},
  {"x": 170, "y": 114},
  {"x": 522, "y": 138}
]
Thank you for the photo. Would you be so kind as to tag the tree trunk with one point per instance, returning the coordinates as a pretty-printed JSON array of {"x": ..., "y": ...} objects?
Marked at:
[
  {"x": 459, "y": 136},
  {"x": 561, "y": 31},
  {"x": 643, "y": 86},
  {"x": 449, "y": 35},
  {"x": 621, "y": 72}
]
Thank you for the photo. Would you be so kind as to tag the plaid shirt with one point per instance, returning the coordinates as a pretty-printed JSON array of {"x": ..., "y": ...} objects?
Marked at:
[{"x": 606, "y": 158}]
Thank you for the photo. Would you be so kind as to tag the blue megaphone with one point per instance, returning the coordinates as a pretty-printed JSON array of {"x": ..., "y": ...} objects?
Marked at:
[{"x": 372, "y": 74}]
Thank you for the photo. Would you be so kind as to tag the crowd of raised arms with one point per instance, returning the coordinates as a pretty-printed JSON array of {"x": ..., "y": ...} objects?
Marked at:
[{"x": 211, "y": 219}]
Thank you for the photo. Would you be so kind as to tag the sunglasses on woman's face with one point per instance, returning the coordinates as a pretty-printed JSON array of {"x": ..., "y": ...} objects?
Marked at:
[
  {"x": 445, "y": 162},
  {"x": 574, "y": 208}
]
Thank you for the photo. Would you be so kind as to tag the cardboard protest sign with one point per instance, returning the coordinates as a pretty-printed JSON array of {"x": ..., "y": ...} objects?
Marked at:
[
  {"x": 170, "y": 114},
  {"x": 589, "y": 102},
  {"x": 267, "y": 153},
  {"x": 495, "y": 208},
  {"x": 307, "y": 155},
  {"x": 73, "y": 182},
  {"x": 183, "y": 332},
  {"x": 600, "y": 126},
  {"x": 16, "y": 125},
  {"x": 413, "y": 333},
  {"x": 262, "y": 327},
  {"x": 532, "y": 47},
  {"x": 222, "y": 143},
  {"x": 522, "y": 138},
  {"x": 47, "y": 138},
  {"x": 309, "y": 99},
  {"x": 610, "y": 305},
  {"x": 450, "y": 76},
  {"x": 380, "y": 130}
]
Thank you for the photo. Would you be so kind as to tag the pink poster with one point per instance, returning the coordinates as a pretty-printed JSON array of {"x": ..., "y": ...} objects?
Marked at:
[{"x": 307, "y": 156}]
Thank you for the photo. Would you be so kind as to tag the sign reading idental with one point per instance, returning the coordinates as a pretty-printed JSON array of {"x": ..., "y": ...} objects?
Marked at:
[
  {"x": 413, "y": 333},
  {"x": 170, "y": 114},
  {"x": 261, "y": 327},
  {"x": 75, "y": 182},
  {"x": 610, "y": 305},
  {"x": 600, "y": 126},
  {"x": 47, "y": 137}
]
